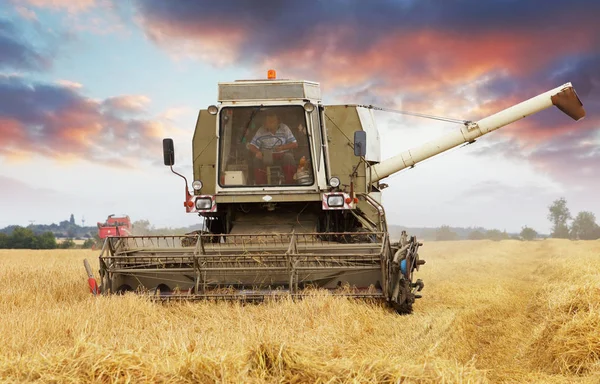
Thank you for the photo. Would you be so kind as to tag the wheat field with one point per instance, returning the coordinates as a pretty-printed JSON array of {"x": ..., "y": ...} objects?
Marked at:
[{"x": 510, "y": 311}]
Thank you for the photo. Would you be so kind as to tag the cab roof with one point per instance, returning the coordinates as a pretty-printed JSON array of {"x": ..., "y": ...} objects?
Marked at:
[{"x": 250, "y": 90}]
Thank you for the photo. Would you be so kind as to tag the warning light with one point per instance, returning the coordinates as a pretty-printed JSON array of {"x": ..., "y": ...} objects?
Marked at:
[
  {"x": 356, "y": 200},
  {"x": 348, "y": 200},
  {"x": 271, "y": 74}
]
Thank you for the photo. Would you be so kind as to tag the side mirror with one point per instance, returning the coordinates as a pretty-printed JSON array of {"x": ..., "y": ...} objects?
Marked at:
[
  {"x": 169, "y": 152},
  {"x": 360, "y": 143}
]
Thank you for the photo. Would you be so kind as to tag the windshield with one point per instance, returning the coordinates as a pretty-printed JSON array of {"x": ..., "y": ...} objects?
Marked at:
[{"x": 264, "y": 146}]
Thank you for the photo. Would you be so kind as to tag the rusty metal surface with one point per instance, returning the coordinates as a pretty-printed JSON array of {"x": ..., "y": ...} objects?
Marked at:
[{"x": 568, "y": 102}]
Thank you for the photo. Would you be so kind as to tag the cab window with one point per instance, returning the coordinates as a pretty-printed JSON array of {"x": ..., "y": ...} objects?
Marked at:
[{"x": 264, "y": 146}]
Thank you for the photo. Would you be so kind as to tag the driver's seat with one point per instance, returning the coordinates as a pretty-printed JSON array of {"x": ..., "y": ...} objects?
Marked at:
[{"x": 274, "y": 174}]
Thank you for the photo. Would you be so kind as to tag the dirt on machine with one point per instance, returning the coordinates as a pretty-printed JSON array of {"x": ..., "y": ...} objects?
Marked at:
[{"x": 290, "y": 193}]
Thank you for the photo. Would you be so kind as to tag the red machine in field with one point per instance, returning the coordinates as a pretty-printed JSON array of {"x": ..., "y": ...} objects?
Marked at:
[{"x": 115, "y": 226}]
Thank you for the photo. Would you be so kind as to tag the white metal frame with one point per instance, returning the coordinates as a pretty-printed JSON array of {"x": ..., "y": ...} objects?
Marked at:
[{"x": 315, "y": 187}]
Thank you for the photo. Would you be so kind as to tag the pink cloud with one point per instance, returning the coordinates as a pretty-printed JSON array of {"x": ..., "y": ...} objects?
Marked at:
[
  {"x": 69, "y": 84},
  {"x": 26, "y": 13},
  {"x": 60, "y": 123},
  {"x": 69, "y": 5},
  {"x": 128, "y": 103},
  {"x": 210, "y": 43}
]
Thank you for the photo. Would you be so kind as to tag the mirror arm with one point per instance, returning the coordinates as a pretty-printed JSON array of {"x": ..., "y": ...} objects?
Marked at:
[
  {"x": 353, "y": 175},
  {"x": 355, "y": 170},
  {"x": 187, "y": 191}
]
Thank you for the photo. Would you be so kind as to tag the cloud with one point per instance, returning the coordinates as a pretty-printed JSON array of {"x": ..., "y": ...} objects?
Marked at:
[
  {"x": 26, "y": 13},
  {"x": 583, "y": 71},
  {"x": 69, "y": 5},
  {"x": 502, "y": 148},
  {"x": 42, "y": 201},
  {"x": 69, "y": 84},
  {"x": 464, "y": 60},
  {"x": 46, "y": 204},
  {"x": 499, "y": 194},
  {"x": 174, "y": 113},
  {"x": 127, "y": 103},
  {"x": 340, "y": 41},
  {"x": 13, "y": 188},
  {"x": 59, "y": 122},
  {"x": 17, "y": 53},
  {"x": 99, "y": 17},
  {"x": 434, "y": 55},
  {"x": 572, "y": 158}
]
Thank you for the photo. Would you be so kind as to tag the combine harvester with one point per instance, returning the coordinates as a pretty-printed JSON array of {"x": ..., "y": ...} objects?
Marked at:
[
  {"x": 115, "y": 226},
  {"x": 290, "y": 193}
]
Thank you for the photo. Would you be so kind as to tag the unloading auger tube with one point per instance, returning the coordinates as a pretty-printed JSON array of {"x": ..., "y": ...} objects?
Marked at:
[
  {"x": 563, "y": 97},
  {"x": 349, "y": 260}
]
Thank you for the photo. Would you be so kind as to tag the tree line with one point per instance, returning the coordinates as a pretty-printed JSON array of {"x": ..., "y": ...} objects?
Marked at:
[
  {"x": 65, "y": 229},
  {"x": 445, "y": 233},
  {"x": 45, "y": 236},
  {"x": 26, "y": 238},
  {"x": 564, "y": 226}
]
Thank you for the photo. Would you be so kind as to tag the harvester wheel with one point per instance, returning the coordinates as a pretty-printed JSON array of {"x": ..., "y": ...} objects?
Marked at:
[
  {"x": 405, "y": 308},
  {"x": 124, "y": 288},
  {"x": 162, "y": 290}
]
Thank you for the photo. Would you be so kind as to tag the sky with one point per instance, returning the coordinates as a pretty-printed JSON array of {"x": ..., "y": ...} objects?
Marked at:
[{"x": 89, "y": 88}]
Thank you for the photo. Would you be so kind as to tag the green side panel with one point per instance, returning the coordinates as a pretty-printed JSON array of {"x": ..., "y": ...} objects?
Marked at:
[
  {"x": 341, "y": 122},
  {"x": 204, "y": 150}
]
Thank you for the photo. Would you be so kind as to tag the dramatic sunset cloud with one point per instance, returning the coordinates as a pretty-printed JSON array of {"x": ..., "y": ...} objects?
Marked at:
[
  {"x": 56, "y": 121},
  {"x": 434, "y": 57},
  {"x": 418, "y": 44},
  {"x": 97, "y": 84}
]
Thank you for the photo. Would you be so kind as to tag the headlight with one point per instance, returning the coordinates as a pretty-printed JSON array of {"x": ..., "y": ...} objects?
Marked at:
[
  {"x": 334, "y": 182},
  {"x": 309, "y": 107},
  {"x": 203, "y": 203},
  {"x": 213, "y": 109},
  {"x": 197, "y": 185},
  {"x": 335, "y": 201}
]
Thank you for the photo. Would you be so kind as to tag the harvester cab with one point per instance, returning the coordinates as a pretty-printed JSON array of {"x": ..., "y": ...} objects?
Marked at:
[{"x": 289, "y": 191}]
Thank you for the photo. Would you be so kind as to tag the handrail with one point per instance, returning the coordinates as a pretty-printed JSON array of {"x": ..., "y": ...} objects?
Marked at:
[{"x": 375, "y": 204}]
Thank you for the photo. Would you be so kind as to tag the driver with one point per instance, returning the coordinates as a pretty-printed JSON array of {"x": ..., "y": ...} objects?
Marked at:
[{"x": 271, "y": 144}]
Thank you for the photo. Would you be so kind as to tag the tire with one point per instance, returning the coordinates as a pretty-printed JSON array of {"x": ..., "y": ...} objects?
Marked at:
[
  {"x": 164, "y": 290},
  {"x": 123, "y": 289},
  {"x": 405, "y": 308}
]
